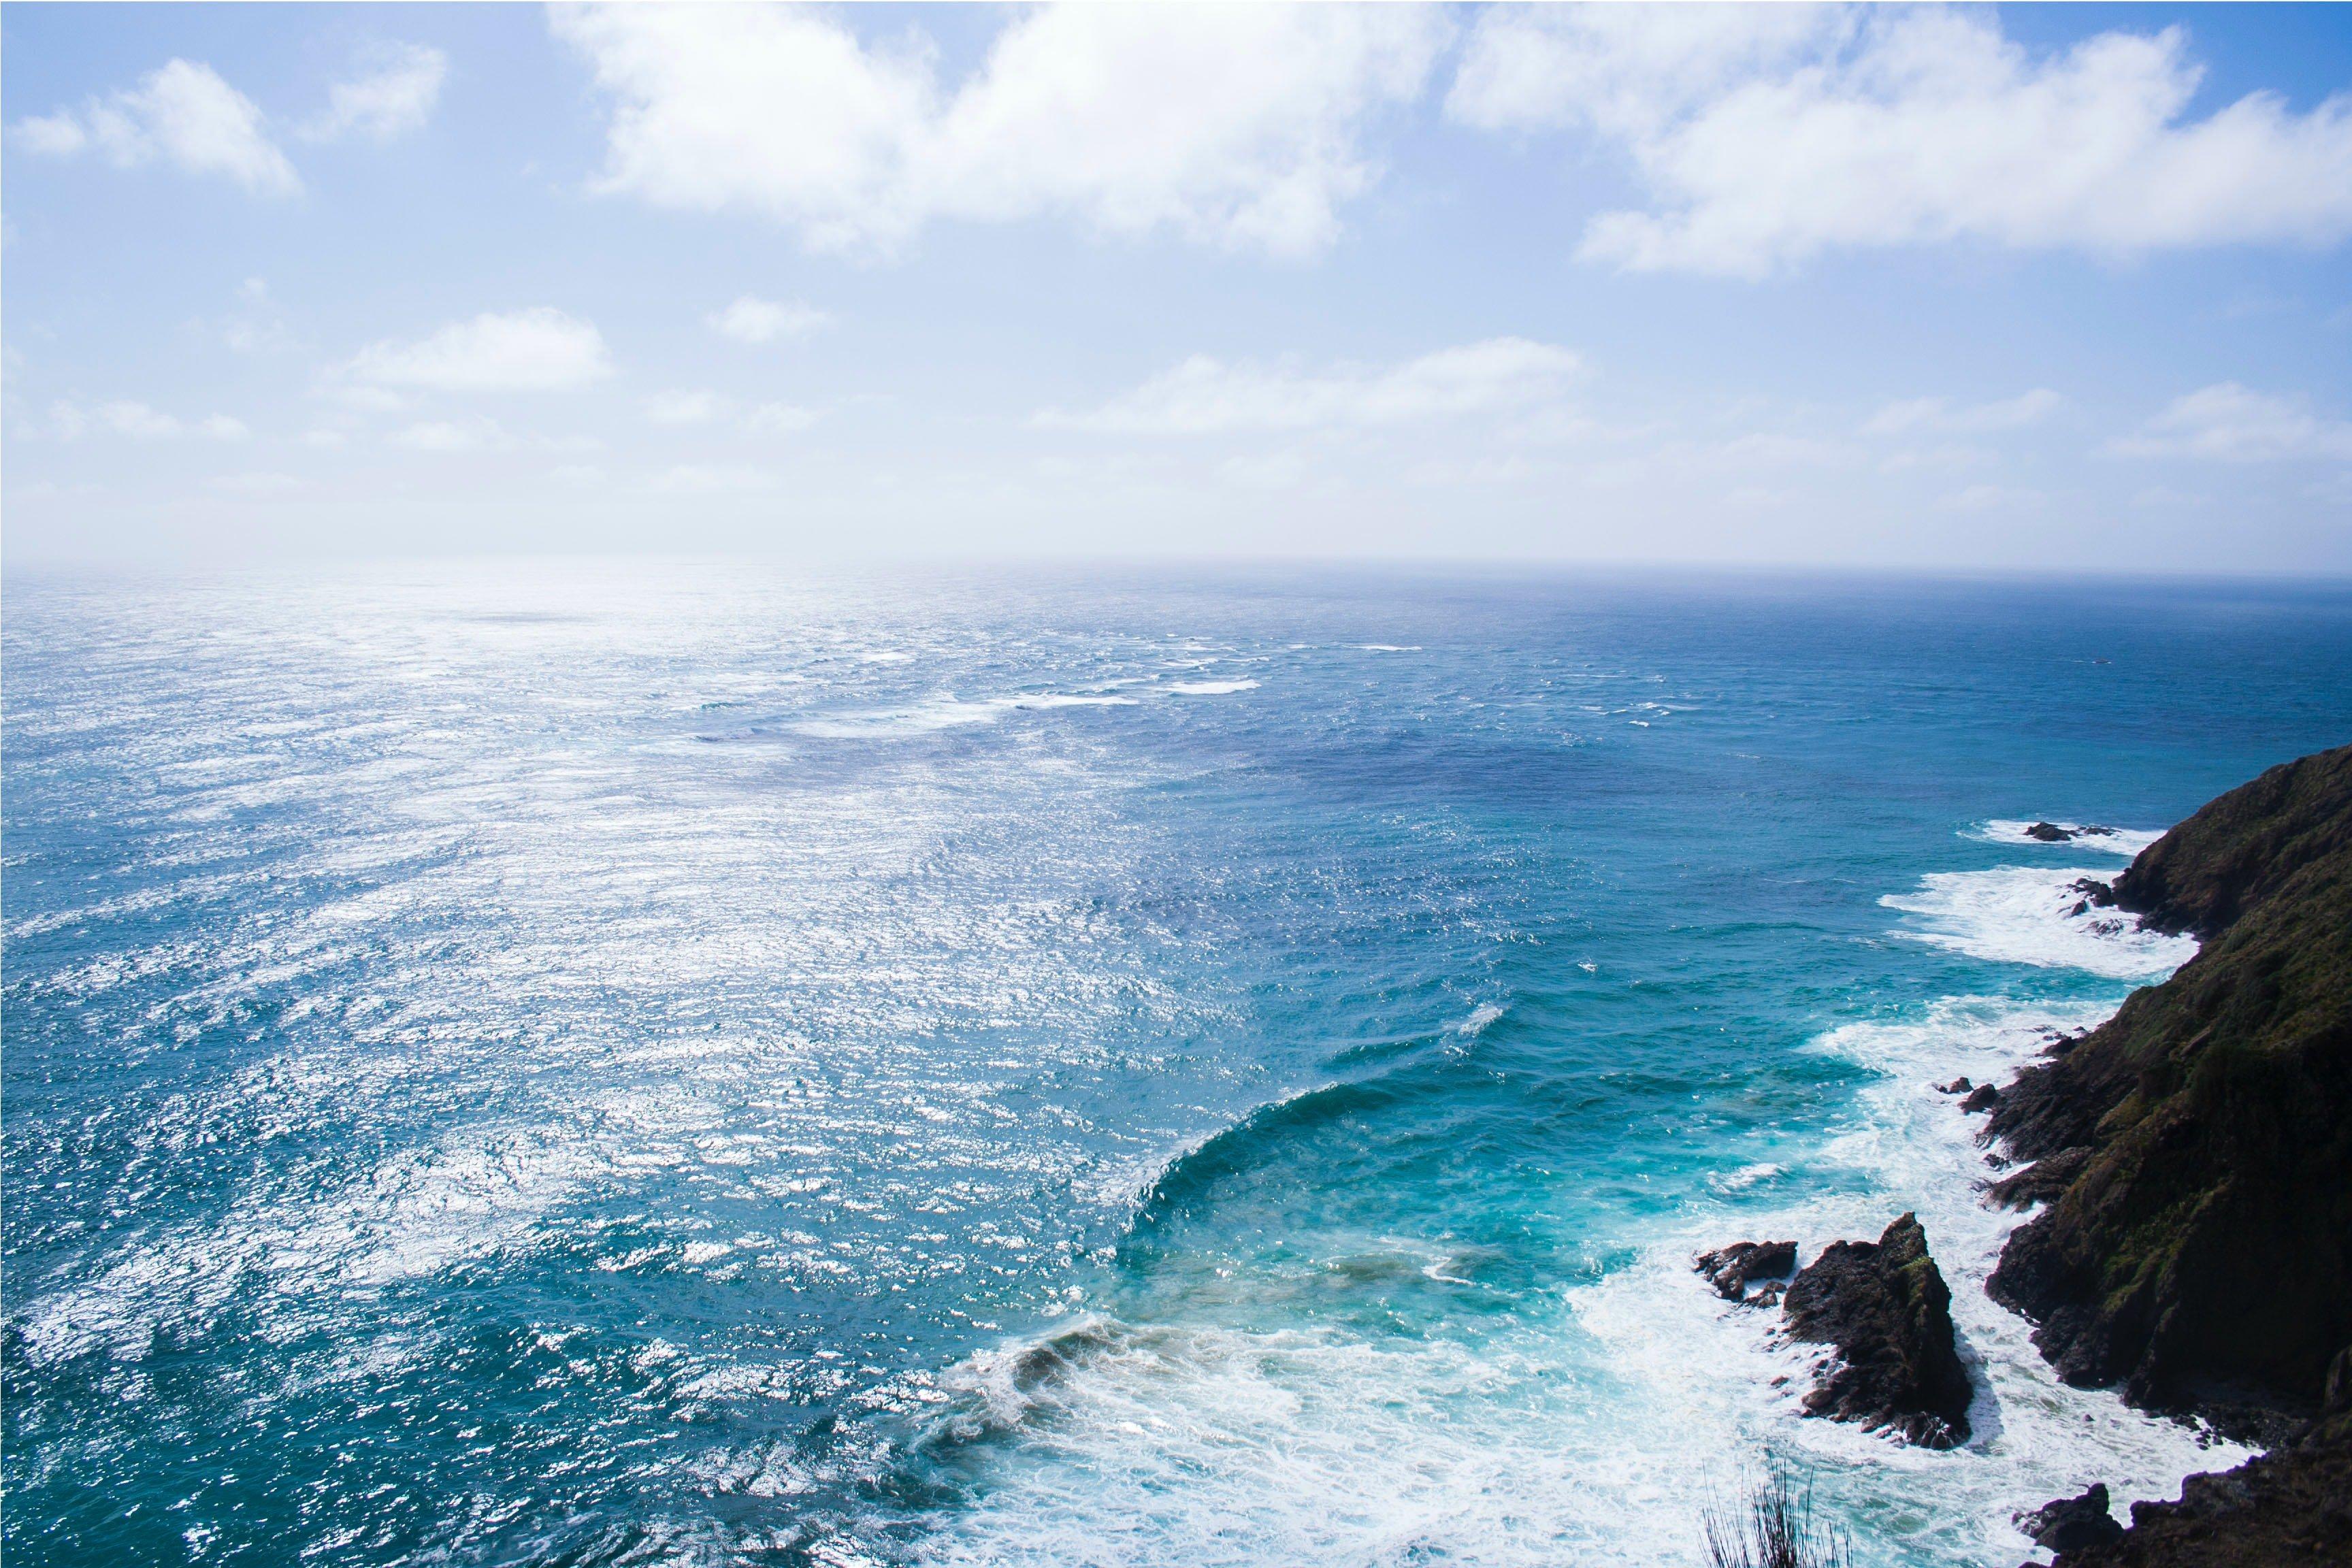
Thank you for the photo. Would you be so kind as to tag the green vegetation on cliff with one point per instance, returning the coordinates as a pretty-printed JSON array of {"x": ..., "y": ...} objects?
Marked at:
[{"x": 2199, "y": 1245}]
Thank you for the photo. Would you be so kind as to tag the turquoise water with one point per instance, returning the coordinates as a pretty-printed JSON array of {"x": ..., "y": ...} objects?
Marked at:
[{"x": 557, "y": 1063}]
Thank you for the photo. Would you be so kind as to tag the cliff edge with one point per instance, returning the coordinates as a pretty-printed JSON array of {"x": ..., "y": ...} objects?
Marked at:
[{"x": 2199, "y": 1247}]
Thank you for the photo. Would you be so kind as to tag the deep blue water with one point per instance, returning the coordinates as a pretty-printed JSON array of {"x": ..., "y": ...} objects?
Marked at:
[{"x": 563, "y": 1063}]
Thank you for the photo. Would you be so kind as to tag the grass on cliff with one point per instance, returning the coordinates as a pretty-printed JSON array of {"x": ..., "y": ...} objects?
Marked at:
[{"x": 1772, "y": 1527}]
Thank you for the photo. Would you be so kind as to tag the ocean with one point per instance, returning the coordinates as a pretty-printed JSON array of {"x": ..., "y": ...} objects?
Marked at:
[{"x": 576, "y": 1062}]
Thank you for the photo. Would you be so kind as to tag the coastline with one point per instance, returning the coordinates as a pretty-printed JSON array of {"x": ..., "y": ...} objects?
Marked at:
[{"x": 2174, "y": 1179}]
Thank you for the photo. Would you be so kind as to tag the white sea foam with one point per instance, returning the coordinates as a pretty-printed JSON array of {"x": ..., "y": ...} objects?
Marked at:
[
  {"x": 1584, "y": 1436},
  {"x": 1747, "y": 1176},
  {"x": 1211, "y": 688},
  {"x": 2091, "y": 837},
  {"x": 2028, "y": 915},
  {"x": 421, "y": 1210},
  {"x": 1588, "y": 1434}
]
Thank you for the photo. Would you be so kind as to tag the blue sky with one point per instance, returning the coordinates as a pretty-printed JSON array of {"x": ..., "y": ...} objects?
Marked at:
[{"x": 2043, "y": 287}]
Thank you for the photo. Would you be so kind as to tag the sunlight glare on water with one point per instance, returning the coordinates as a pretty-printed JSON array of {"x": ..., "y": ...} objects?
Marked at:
[{"x": 561, "y": 1062}]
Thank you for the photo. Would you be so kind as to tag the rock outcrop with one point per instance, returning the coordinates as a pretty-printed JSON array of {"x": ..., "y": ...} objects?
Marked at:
[
  {"x": 2196, "y": 1151},
  {"x": 2074, "y": 1524},
  {"x": 1732, "y": 1269},
  {"x": 1885, "y": 1308}
]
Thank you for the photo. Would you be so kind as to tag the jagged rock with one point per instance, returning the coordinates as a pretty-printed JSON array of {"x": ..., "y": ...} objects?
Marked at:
[
  {"x": 1885, "y": 1309},
  {"x": 2201, "y": 1253},
  {"x": 1984, "y": 1097},
  {"x": 1957, "y": 1086},
  {"x": 2070, "y": 1524},
  {"x": 2049, "y": 833},
  {"x": 1733, "y": 1268},
  {"x": 2095, "y": 894}
]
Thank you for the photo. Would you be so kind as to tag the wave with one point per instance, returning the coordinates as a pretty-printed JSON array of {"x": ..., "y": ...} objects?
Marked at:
[
  {"x": 2034, "y": 916},
  {"x": 1580, "y": 1427},
  {"x": 1235, "y": 1149},
  {"x": 1211, "y": 688},
  {"x": 2125, "y": 841}
]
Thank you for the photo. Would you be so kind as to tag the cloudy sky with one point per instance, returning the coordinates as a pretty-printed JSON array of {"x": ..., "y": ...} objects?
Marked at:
[{"x": 2048, "y": 287}]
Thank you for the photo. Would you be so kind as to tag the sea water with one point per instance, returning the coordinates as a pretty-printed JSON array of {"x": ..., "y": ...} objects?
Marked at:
[{"x": 581, "y": 1063}]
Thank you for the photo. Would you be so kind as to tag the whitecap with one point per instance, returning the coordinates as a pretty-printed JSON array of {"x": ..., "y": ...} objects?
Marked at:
[
  {"x": 1473, "y": 1026},
  {"x": 1211, "y": 688},
  {"x": 1747, "y": 1176}
]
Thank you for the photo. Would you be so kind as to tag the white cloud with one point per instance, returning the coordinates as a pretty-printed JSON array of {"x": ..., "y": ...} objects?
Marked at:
[
  {"x": 396, "y": 97},
  {"x": 1624, "y": 69},
  {"x": 258, "y": 331},
  {"x": 1769, "y": 136},
  {"x": 365, "y": 399},
  {"x": 451, "y": 435},
  {"x": 677, "y": 407},
  {"x": 778, "y": 419},
  {"x": 539, "y": 350},
  {"x": 324, "y": 440},
  {"x": 704, "y": 407},
  {"x": 2231, "y": 424},
  {"x": 751, "y": 319},
  {"x": 260, "y": 484},
  {"x": 258, "y": 337},
  {"x": 137, "y": 420},
  {"x": 1241, "y": 126},
  {"x": 1204, "y": 396},
  {"x": 1266, "y": 470},
  {"x": 705, "y": 478},
  {"x": 1991, "y": 498},
  {"x": 69, "y": 421},
  {"x": 1939, "y": 415},
  {"x": 183, "y": 114},
  {"x": 1774, "y": 448},
  {"x": 584, "y": 475}
]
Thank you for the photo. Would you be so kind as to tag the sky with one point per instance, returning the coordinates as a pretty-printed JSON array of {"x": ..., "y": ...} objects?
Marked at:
[{"x": 2045, "y": 287}]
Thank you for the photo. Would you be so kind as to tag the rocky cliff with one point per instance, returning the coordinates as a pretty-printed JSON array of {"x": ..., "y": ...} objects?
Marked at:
[{"x": 2197, "y": 1245}]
